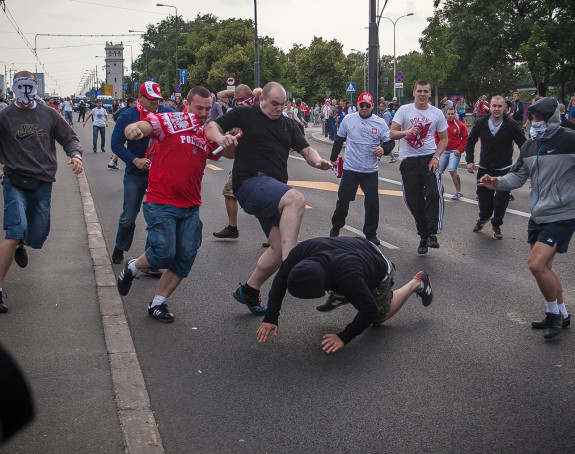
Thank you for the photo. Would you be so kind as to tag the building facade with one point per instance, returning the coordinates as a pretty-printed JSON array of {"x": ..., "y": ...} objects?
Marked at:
[{"x": 115, "y": 68}]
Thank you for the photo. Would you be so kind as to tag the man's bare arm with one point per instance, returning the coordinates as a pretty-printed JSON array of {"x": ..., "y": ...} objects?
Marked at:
[{"x": 313, "y": 158}]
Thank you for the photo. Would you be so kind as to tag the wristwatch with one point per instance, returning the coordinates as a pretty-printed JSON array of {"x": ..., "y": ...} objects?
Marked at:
[{"x": 436, "y": 157}]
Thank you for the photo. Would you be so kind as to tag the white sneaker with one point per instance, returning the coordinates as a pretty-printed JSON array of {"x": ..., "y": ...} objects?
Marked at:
[{"x": 456, "y": 196}]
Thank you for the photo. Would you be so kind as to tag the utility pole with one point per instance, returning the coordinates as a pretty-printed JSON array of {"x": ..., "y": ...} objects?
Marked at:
[
  {"x": 373, "y": 57},
  {"x": 257, "y": 53}
]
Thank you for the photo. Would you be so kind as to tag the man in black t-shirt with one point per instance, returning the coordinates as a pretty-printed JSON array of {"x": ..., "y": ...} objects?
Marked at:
[
  {"x": 356, "y": 270},
  {"x": 259, "y": 178}
]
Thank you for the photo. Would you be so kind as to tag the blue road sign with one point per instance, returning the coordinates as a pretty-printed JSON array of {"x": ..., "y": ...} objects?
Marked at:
[
  {"x": 178, "y": 89},
  {"x": 183, "y": 76},
  {"x": 399, "y": 76},
  {"x": 152, "y": 79},
  {"x": 350, "y": 87}
]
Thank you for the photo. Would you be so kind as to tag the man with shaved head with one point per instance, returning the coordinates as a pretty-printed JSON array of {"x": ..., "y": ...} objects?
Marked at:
[
  {"x": 497, "y": 133},
  {"x": 259, "y": 178}
]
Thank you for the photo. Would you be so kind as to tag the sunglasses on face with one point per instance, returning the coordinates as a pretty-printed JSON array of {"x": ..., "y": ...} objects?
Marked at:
[{"x": 364, "y": 105}]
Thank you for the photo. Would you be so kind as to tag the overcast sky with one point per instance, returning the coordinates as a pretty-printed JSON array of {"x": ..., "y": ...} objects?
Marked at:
[{"x": 287, "y": 22}]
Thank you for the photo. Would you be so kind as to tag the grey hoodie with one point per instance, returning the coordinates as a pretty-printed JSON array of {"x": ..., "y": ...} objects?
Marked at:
[
  {"x": 550, "y": 163},
  {"x": 28, "y": 141}
]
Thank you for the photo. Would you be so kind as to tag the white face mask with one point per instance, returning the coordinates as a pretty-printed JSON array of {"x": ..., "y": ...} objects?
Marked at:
[
  {"x": 25, "y": 90},
  {"x": 538, "y": 128}
]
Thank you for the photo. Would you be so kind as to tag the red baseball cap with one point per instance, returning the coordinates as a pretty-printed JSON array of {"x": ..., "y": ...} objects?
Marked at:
[
  {"x": 365, "y": 97},
  {"x": 150, "y": 90}
]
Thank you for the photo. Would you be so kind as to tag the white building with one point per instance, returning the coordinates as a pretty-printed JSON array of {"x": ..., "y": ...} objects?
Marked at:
[{"x": 115, "y": 68}]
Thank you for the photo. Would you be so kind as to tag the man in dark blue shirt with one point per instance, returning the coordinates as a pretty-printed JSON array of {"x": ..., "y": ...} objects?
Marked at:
[{"x": 137, "y": 164}]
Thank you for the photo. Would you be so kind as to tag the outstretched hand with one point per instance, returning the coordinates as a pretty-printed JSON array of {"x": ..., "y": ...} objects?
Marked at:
[
  {"x": 488, "y": 181},
  {"x": 331, "y": 343},
  {"x": 322, "y": 164},
  {"x": 265, "y": 330}
]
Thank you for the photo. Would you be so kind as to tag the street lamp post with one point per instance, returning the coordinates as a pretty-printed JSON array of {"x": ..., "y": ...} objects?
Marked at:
[
  {"x": 394, "y": 58},
  {"x": 146, "y": 53},
  {"x": 177, "y": 65},
  {"x": 364, "y": 67},
  {"x": 256, "y": 47}
]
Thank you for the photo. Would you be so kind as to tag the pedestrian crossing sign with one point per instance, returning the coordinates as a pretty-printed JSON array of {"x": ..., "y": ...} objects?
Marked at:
[{"x": 350, "y": 87}]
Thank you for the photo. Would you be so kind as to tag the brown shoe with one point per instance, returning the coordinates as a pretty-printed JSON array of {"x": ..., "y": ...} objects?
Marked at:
[{"x": 227, "y": 233}]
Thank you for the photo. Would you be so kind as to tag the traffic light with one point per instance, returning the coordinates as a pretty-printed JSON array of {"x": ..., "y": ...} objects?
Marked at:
[{"x": 383, "y": 79}]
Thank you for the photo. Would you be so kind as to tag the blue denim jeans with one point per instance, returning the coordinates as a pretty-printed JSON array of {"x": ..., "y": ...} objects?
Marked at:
[
  {"x": 102, "y": 130},
  {"x": 135, "y": 186},
  {"x": 174, "y": 237},
  {"x": 332, "y": 128},
  {"x": 27, "y": 213}
]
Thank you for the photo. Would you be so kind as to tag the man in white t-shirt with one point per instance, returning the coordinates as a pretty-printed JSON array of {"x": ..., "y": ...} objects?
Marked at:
[
  {"x": 68, "y": 110},
  {"x": 415, "y": 124},
  {"x": 366, "y": 135},
  {"x": 100, "y": 123}
]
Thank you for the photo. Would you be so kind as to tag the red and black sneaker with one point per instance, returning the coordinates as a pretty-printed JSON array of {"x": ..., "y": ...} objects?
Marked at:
[{"x": 426, "y": 292}]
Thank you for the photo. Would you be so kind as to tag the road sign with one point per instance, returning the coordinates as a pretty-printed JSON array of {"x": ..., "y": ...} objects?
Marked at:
[
  {"x": 231, "y": 81},
  {"x": 399, "y": 85},
  {"x": 399, "y": 76},
  {"x": 152, "y": 79},
  {"x": 350, "y": 87},
  {"x": 183, "y": 76},
  {"x": 178, "y": 88}
]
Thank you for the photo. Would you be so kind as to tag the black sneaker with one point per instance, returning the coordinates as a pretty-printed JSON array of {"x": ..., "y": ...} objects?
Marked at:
[
  {"x": 252, "y": 302},
  {"x": 426, "y": 292},
  {"x": 497, "y": 235},
  {"x": 266, "y": 244},
  {"x": 332, "y": 303},
  {"x": 479, "y": 225},
  {"x": 422, "y": 249},
  {"x": 333, "y": 232},
  {"x": 543, "y": 323},
  {"x": 117, "y": 256},
  {"x": 432, "y": 242},
  {"x": 374, "y": 240},
  {"x": 161, "y": 313},
  {"x": 113, "y": 166},
  {"x": 152, "y": 272},
  {"x": 21, "y": 256},
  {"x": 125, "y": 279},
  {"x": 227, "y": 233},
  {"x": 553, "y": 328},
  {"x": 3, "y": 307}
]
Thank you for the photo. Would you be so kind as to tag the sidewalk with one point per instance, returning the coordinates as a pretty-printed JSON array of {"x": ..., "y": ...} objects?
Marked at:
[{"x": 67, "y": 330}]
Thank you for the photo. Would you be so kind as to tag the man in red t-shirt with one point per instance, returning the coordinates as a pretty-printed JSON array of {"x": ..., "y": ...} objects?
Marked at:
[
  {"x": 456, "y": 141},
  {"x": 172, "y": 203}
]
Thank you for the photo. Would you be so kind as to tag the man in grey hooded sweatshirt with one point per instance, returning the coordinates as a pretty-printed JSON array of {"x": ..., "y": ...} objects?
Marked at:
[{"x": 548, "y": 159}]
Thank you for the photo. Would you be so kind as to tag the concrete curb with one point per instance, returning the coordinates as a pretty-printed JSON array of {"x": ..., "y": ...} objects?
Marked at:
[{"x": 137, "y": 420}]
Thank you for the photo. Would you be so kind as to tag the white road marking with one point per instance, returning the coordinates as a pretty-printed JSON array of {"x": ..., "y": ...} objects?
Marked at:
[{"x": 360, "y": 233}]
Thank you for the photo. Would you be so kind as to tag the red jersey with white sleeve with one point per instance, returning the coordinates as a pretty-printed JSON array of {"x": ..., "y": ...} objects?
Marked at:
[
  {"x": 178, "y": 165},
  {"x": 456, "y": 136}
]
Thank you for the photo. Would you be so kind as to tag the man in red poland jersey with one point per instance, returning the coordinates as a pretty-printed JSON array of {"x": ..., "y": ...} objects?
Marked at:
[
  {"x": 456, "y": 142},
  {"x": 172, "y": 203}
]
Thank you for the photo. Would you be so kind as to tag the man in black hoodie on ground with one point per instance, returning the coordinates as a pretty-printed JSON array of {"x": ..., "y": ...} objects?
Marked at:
[{"x": 497, "y": 133}]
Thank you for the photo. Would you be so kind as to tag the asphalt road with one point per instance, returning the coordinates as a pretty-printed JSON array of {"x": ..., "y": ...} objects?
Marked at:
[{"x": 466, "y": 374}]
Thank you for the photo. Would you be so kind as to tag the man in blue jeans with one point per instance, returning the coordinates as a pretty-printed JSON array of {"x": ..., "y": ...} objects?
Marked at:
[
  {"x": 174, "y": 197},
  {"x": 137, "y": 160},
  {"x": 28, "y": 132},
  {"x": 100, "y": 123},
  {"x": 259, "y": 178}
]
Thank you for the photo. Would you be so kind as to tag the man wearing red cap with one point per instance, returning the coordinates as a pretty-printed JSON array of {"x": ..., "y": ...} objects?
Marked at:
[
  {"x": 137, "y": 164},
  {"x": 366, "y": 135}
]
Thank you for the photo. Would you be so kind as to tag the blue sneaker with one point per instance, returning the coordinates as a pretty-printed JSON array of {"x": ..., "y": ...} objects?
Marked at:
[
  {"x": 392, "y": 160},
  {"x": 252, "y": 302}
]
